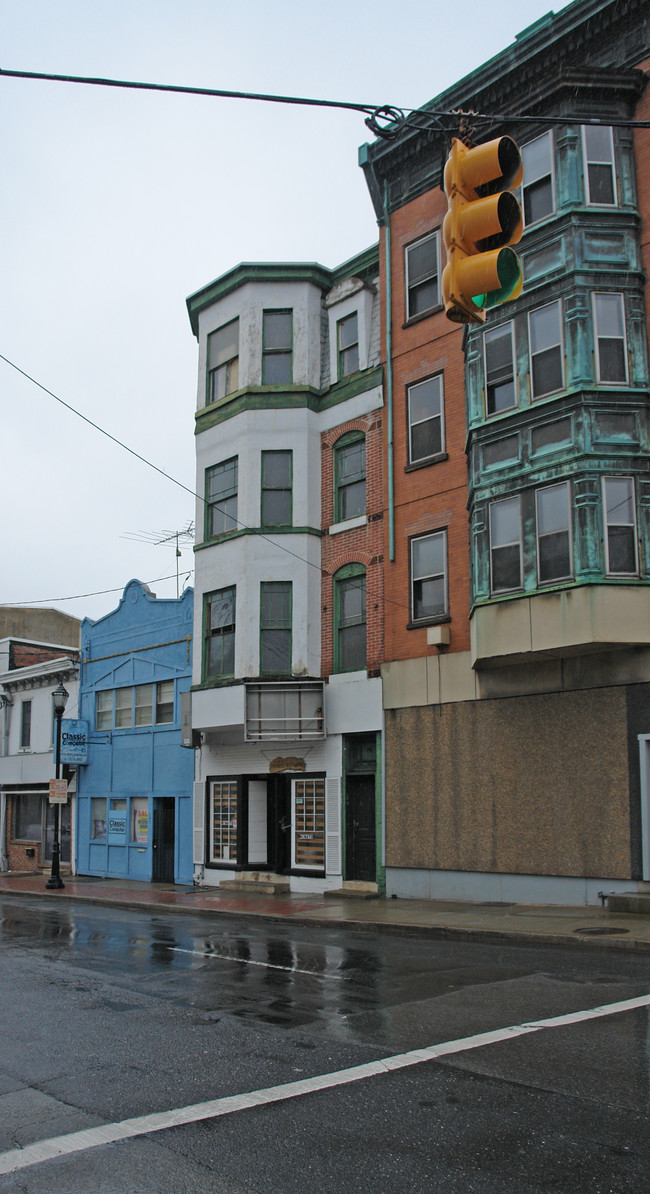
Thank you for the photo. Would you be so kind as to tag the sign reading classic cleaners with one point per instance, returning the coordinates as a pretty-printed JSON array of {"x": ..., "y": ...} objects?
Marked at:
[{"x": 74, "y": 741}]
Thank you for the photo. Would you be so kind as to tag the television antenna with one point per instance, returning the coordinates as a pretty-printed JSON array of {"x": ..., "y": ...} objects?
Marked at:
[{"x": 159, "y": 538}]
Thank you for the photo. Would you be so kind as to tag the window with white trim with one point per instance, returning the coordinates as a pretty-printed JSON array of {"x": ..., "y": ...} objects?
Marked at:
[
  {"x": 277, "y": 348},
  {"x": 134, "y": 706},
  {"x": 620, "y": 526},
  {"x": 223, "y": 821},
  {"x": 422, "y": 269},
  {"x": 611, "y": 350},
  {"x": 505, "y": 545},
  {"x": 553, "y": 533},
  {"x": 25, "y": 725},
  {"x": 600, "y": 181},
  {"x": 537, "y": 187},
  {"x": 429, "y": 598},
  {"x": 347, "y": 335},
  {"x": 546, "y": 350},
  {"x": 500, "y": 385},
  {"x": 426, "y": 419}
]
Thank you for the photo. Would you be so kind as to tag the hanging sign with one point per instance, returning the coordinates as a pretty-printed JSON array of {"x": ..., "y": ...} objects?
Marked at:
[{"x": 74, "y": 741}]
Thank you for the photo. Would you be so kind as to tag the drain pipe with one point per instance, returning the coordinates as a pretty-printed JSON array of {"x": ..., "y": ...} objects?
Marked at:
[
  {"x": 389, "y": 378},
  {"x": 6, "y": 703}
]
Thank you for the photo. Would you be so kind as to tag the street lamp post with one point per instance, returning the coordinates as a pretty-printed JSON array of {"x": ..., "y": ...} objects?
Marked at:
[{"x": 59, "y": 701}]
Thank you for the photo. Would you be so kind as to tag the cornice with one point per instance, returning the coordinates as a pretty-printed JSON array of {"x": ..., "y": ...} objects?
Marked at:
[{"x": 39, "y": 675}]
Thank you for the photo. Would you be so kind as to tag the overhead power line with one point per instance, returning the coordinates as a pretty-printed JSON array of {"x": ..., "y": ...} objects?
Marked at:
[{"x": 384, "y": 120}]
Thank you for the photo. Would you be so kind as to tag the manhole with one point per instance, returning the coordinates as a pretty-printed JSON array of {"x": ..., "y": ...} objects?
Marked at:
[{"x": 601, "y": 932}]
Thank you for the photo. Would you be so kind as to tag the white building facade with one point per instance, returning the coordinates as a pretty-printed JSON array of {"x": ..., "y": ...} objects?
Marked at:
[
  {"x": 286, "y": 697},
  {"x": 27, "y": 743}
]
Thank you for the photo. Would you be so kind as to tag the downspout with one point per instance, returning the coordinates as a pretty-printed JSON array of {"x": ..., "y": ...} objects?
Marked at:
[{"x": 389, "y": 378}]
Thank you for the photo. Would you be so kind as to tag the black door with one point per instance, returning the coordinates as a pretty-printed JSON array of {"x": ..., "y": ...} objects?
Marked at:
[
  {"x": 163, "y": 840},
  {"x": 279, "y": 824},
  {"x": 360, "y": 845}
]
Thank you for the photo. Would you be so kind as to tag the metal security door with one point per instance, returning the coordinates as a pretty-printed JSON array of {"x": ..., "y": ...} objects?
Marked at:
[{"x": 163, "y": 840}]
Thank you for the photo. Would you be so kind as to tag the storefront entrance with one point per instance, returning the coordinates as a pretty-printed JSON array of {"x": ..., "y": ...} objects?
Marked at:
[
  {"x": 270, "y": 823},
  {"x": 360, "y": 812},
  {"x": 164, "y": 816}
]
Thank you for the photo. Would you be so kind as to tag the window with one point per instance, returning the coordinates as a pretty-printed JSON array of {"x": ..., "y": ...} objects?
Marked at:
[
  {"x": 611, "y": 353},
  {"x": 422, "y": 274},
  {"x": 620, "y": 526},
  {"x": 144, "y": 704},
  {"x": 500, "y": 391},
  {"x": 25, "y": 724},
  {"x": 598, "y": 144},
  {"x": 98, "y": 818},
  {"x": 277, "y": 345},
  {"x": 221, "y": 498},
  {"x": 220, "y": 633},
  {"x": 104, "y": 710},
  {"x": 347, "y": 331},
  {"x": 308, "y": 845},
  {"x": 223, "y": 821},
  {"x": 164, "y": 702},
  {"x": 546, "y": 350},
  {"x": 223, "y": 361},
  {"x": 123, "y": 708},
  {"x": 277, "y": 468},
  {"x": 426, "y": 419},
  {"x": 140, "y": 820},
  {"x": 537, "y": 189},
  {"x": 505, "y": 545},
  {"x": 350, "y": 619},
  {"x": 281, "y": 712},
  {"x": 350, "y": 477},
  {"x": 429, "y": 577},
  {"x": 275, "y": 627},
  {"x": 28, "y": 816},
  {"x": 553, "y": 533}
]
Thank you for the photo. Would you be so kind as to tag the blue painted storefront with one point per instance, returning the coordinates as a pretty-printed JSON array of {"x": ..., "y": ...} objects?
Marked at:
[{"x": 134, "y": 795}]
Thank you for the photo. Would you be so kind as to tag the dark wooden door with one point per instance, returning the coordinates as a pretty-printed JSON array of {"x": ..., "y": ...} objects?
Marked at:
[
  {"x": 163, "y": 840},
  {"x": 360, "y": 841}
]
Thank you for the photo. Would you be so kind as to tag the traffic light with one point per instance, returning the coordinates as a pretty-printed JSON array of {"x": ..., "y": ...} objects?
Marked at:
[{"x": 483, "y": 218}]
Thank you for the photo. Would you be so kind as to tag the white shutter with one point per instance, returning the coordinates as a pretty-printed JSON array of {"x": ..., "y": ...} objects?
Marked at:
[
  {"x": 198, "y": 834},
  {"x": 333, "y": 826}
]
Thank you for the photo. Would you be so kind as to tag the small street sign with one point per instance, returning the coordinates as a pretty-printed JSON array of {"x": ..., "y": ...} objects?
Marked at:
[{"x": 58, "y": 791}]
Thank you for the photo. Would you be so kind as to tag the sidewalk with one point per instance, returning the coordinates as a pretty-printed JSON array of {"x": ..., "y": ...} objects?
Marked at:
[{"x": 523, "y": 923}]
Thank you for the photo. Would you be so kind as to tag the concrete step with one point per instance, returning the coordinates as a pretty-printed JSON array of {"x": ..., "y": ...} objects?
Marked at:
[
  {"x": 257, "y": 882},
  {"x": 630, "y": 901},
  {"x": 354, "y": 889}
]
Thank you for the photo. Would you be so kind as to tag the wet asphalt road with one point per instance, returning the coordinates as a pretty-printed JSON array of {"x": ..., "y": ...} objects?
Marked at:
[{"x": 108, "y": 1015}]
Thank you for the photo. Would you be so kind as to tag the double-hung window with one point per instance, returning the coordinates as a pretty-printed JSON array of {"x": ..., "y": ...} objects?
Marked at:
[
  {"x": 600, "y": 182},
  {"x": 350, "y": 477},
  {"x": 221, "y": 498},
  {"x": 277, "y": 468},
  {"x": 139, "y": 705},
  {"x": 104, "y": 710},
  {"x": 347, "y": 331},
  {"x": 505, "y": 545},
  {"x": 553, "y": 533},
  {"x": 223, "y": 361},
  {"x": 620, "y": 526},
  {"x": 422, "y": 267},
  {"x": 611, "y": 351},
  {"x": 546, "y": 352},
  {"x": 429, "y": 577},
  {"x": 275, "y": 628},
  {"x": 426, "y": 419},
  {"x": 220, "y": 633},
  {"x": 277, "y": 348},
  {"x": 123, "y": 708},
  {"x": 350, "y": 618},
  {"x": 500, "y": 389},
  {"x": 537, "y": 187}
]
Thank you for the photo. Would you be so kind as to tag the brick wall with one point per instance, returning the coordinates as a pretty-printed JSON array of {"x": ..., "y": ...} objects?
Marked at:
[{"x": 434, "y": 496}]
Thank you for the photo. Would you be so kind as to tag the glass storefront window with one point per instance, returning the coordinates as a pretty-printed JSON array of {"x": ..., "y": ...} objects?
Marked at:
[
  {"x": 140, "y": 820},
  {"x": 223, "y": 815},
  {"x": 309, "y": 824},
  {"x": 98, "y": 818}
]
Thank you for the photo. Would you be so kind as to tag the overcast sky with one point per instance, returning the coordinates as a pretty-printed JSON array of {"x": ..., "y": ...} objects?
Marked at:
[{"x": 115, "y": 205}]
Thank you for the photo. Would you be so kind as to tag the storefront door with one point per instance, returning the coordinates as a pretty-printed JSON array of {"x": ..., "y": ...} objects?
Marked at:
[
  {"x": 164, "y": 817},
  {"x": 360, "y": 843}
]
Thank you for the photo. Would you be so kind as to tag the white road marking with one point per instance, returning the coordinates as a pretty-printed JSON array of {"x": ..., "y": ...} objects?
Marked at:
[
  {"x": 200, "y": 953},
  {"x": 59, "y": 1146}
]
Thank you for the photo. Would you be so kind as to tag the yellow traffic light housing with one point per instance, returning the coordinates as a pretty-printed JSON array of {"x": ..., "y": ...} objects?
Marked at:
[{"x": 483, "y": 218}]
